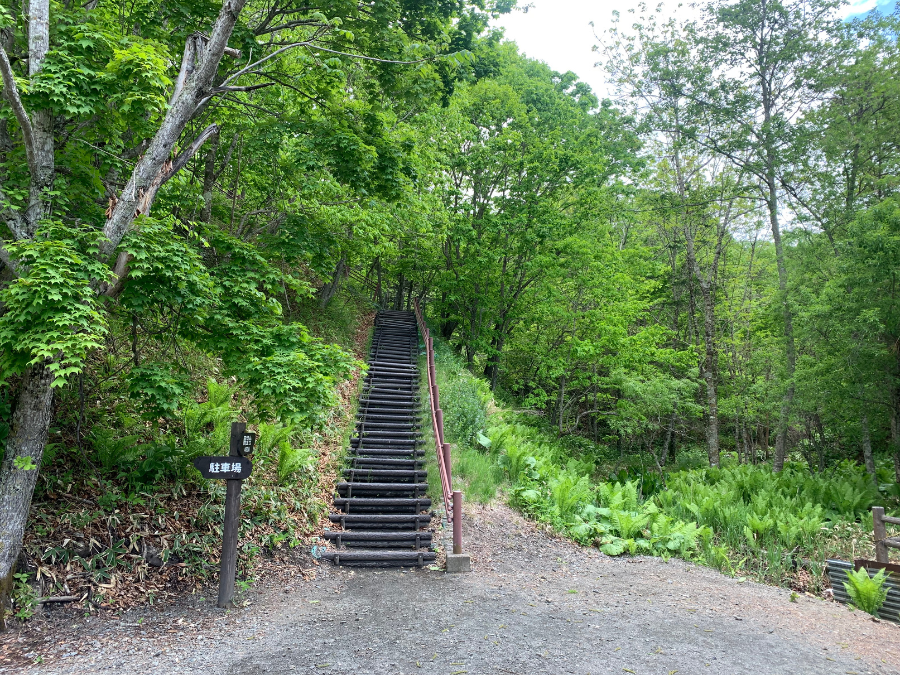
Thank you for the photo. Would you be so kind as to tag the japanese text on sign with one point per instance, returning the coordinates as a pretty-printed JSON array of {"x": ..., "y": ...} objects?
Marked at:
[{"x": 224, "y": 467}]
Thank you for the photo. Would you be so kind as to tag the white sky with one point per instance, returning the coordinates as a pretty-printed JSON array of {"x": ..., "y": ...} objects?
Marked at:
[{"x": 557, "y": 31}]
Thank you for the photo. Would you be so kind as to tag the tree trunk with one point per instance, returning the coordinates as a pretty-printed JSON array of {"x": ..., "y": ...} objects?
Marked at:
[
  {"x": 749, "y": 449},
  {"x": 329, "y": 290},
  {"x": 398, "y": 300},
  {"x": 712, "y": 397},
  {"x": 710, "y": 368},
  {"x": 24, "y": 446},
  {"x": 561, "y": 400},
  {"x": 492, "y": 367},
  {"x": 379, "y": 293},
  {"x": 867, "y": 446},
  {"x": 670, "y": 430},
  {"x": 209, "y": 179},
  {"x": 789, "y": 347}
]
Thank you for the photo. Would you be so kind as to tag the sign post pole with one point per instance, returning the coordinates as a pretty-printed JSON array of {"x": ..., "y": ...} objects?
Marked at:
[{"x": 232, "y": 521}]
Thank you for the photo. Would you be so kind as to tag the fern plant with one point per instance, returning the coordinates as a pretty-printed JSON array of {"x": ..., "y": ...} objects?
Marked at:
[{"x": 867, "y": 593}]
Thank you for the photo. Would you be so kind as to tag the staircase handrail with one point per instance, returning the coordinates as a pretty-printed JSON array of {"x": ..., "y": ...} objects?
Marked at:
[{"x": 452, "y": 499}]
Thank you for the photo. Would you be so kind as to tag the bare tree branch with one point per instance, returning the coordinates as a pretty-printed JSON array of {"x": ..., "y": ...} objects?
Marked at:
[
  {"x": 185, "y": 155},
  {"x": 251, "y": 87},
  {"x": 147, "y": 176},
  {"x": 11, "y": 94}
]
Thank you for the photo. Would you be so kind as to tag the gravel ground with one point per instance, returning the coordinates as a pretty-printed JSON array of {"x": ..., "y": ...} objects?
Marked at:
[{"x": 534, "y": 604}]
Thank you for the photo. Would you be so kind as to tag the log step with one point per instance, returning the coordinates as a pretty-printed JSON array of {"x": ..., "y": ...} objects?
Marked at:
[
  {"x": 385, "y": 489},
  {"x": 380, "y": 475},
  {"x": 399, "y": 451},
  {"x": 381, "y": 521},
  {"x": 352, "y": 504},
  {"x": 381, "y": 558},
  {"x": 379, "y": 539}
]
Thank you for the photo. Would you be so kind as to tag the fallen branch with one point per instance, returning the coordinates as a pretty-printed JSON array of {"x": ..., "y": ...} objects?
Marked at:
[{"x": 59, "y": 598}]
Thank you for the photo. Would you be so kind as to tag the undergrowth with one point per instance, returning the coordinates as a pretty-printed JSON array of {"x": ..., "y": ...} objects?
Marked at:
[
  {"x": 744, "y": 520},
  {"x": 120, "y": 515}
]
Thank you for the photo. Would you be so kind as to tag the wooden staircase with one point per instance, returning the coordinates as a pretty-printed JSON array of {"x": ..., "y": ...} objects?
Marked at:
[{"x": 380, "y": 507}]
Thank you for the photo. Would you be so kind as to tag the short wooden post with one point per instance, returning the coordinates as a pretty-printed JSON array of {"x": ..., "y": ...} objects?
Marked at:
[
  {"x": 228, "y": 565},
  {"x": 881, "y": 549},
  {"x": 457, "y": 522}
]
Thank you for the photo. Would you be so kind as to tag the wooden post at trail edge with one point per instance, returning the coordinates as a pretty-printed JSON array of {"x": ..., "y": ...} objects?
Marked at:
[
  {"x": 232, "y": 522},
  {"x": 880, "y": 532}
]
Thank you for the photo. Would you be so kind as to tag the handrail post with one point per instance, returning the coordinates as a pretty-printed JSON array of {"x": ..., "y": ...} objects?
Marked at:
[
  {"x": 457, "y": 522},
  {"x": 439, "y": 417},
  {"x": 880, "y": 531}
]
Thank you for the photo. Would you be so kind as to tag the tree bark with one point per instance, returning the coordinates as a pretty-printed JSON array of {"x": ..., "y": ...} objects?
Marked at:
[
  {"x": 670, "y": 430},
  {"x": 710, "y": 367},
  {"x": 492, "y": 367},
  {"x": 25, "y": 445},
  {"x": 209, "y": 179},
  {"x": 787, "y": 400},
  {"x": 749, "y": 449},
  {"x": 561, "y": 399},
  {"x": 329, "y": 290},
  {"x": 398, "y": 299}
]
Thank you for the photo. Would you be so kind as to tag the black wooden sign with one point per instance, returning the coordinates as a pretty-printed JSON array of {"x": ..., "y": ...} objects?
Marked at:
[{"x": 229, "y": 468}]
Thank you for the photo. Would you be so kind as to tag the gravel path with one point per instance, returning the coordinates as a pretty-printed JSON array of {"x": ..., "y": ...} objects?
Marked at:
[{"x": 534, "y": 604}]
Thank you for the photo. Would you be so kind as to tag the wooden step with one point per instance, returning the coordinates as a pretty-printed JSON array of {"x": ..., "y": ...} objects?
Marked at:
[
  {"x": 381, "y": 558},
  {"x": 373, "y": 521},
  {"x": 377, "y": 475},
  {"x": 379, "y": 538},
  {"x": 352, "y": 504},
  {"x": 348, "y": 489}
]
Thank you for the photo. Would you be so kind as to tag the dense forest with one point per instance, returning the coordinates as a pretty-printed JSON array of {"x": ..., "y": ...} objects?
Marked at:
[{"x": 192, "y": 192}]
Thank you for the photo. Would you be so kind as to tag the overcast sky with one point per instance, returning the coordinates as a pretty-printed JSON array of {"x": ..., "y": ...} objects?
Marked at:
[{"x": 558, "y": 31}]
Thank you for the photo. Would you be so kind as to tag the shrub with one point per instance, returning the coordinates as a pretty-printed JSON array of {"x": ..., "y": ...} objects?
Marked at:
[{"x": 867, "y": 593}]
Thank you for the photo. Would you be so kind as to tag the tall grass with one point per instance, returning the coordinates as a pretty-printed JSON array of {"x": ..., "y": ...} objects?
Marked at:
[{"x": 465, "y": 401}]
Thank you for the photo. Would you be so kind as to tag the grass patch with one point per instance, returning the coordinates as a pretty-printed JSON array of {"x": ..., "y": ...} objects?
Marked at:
[{"x": 477, "y": 474}]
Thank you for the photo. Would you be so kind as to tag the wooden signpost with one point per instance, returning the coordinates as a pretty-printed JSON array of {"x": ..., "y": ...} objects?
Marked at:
[{"x": 234, "y": 468}]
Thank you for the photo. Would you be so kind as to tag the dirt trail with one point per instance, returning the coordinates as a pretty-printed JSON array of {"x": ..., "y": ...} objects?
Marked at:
[{"x": 534, "y": 604}]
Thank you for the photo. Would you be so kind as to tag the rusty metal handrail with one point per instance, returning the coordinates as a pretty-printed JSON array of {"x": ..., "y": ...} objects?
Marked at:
[{"x": 452, "y": 499}]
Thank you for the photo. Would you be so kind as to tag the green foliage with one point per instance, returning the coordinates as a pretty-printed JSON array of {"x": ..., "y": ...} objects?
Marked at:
[
  {"x": 158, "y": 388},
  {"x": 141, "y": 463},
  {"x": 24, "y": 463},
  {"x": 609, "y": 515},
  {"x": 51, "y": 312},
  {"x": 24, "y": 598},
  {"x": 867, "y": 593},
  {"x": 277, "y": 440},
  {"x": 465, "y": 412},
  {"x": 481, "y": 474}
]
